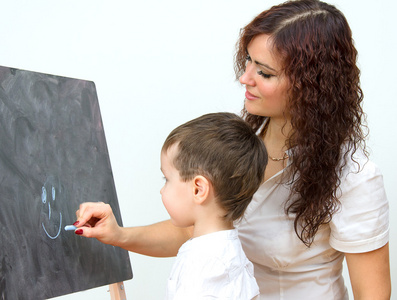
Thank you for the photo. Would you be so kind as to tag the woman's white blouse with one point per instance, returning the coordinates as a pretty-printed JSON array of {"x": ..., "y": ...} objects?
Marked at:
[{"x": 284, "y": 267}]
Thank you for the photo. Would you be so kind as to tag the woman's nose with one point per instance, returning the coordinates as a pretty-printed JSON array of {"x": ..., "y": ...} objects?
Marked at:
[{"x": 247, "y": 77}]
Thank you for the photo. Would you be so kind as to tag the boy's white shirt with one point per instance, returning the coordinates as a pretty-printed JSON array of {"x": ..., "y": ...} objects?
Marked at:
[{"x": 212, "y": 266}]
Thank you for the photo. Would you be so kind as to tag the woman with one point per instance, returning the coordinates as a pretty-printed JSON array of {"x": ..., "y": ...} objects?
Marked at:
[{"x": 322, "y": 200}]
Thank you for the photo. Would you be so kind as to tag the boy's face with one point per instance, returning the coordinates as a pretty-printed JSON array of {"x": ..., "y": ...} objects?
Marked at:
[{"x": 177, "y": 195}]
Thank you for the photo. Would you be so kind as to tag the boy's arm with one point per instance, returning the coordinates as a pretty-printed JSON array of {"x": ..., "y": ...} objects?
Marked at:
[{"x": 163, "y": 239}]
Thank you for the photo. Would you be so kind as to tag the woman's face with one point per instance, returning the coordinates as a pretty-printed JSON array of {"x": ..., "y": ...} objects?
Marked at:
[{"x": 266, "y": 85}]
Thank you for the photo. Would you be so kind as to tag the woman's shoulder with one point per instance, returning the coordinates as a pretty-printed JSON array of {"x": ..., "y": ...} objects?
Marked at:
[
  {"x": 361, "y": 181},
  {"x": 362, "y": 221},
  {"x": 358, "y": 166}
]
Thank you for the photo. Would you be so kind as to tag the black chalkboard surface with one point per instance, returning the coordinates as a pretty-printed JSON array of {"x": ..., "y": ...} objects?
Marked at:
[{"x": 53, "y": 156}]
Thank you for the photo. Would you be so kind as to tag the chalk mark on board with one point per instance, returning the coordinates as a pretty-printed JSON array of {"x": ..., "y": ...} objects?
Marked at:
[{"x": 44, "y": 200}]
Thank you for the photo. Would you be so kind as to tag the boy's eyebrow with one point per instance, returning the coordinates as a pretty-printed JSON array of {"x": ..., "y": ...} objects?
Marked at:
[{"x": 162, "y": 171}]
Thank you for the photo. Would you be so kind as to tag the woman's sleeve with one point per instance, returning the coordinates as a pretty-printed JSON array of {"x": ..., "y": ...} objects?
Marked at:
[{"x": 362, "y": 222}]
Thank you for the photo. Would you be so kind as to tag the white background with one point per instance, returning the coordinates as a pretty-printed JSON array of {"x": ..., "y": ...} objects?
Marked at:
[{"x": 157, "y": 64}]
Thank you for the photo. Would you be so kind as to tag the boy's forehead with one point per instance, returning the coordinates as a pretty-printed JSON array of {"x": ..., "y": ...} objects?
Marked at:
[
  {"x": 171, "y": 151},
  {"x": 168, "y": 155}
]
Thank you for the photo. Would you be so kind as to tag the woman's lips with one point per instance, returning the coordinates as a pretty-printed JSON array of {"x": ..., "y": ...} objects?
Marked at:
[{"x": 249, "y": 96}]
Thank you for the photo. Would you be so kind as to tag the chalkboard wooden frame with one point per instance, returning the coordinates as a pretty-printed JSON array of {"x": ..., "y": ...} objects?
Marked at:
[{"x": 53, "y": 156}]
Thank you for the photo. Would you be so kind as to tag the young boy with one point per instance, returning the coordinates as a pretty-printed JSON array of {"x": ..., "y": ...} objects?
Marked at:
[{"x": 212, "y": 166}]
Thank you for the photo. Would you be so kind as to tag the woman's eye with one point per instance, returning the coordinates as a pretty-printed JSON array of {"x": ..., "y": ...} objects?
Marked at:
[{"x": 264, "y": 75}]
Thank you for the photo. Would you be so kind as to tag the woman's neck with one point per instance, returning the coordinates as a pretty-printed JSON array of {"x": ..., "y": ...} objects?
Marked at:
[{"x": 275, "y": 135}]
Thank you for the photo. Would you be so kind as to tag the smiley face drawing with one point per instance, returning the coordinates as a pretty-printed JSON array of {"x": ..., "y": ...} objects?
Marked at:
[{"x": 49, "y": 195}]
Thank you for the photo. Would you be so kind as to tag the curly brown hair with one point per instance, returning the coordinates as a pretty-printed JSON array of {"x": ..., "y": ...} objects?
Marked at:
[{"x": 314, "y": 43}]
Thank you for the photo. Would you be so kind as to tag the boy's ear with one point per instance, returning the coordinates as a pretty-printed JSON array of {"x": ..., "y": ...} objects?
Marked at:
[{"x": 201, "y": 189}]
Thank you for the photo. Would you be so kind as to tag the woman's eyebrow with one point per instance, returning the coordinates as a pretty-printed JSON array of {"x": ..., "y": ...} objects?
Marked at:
[{"x": 264, "y": 65}]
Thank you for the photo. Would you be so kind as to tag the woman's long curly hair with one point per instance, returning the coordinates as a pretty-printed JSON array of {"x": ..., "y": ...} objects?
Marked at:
[{"x": 314, "y": 43}]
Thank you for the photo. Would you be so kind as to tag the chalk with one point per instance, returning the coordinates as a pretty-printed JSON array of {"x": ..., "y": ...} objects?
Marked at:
[{"x": 70, "y": 227}]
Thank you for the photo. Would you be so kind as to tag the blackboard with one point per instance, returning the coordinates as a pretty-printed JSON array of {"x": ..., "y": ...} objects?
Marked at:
[{"x": 53, "y": 156}]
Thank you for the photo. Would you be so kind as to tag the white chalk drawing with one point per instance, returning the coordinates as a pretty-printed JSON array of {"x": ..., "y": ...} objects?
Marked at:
[{"x": 45, "y": 201}]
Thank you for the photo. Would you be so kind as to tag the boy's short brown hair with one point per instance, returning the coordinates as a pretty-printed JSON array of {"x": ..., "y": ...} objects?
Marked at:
[{"x": 223, "y": 148}]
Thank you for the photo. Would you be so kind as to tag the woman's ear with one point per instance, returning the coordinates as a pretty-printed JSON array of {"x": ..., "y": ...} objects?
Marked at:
[{"x": 201, "y": 189}]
